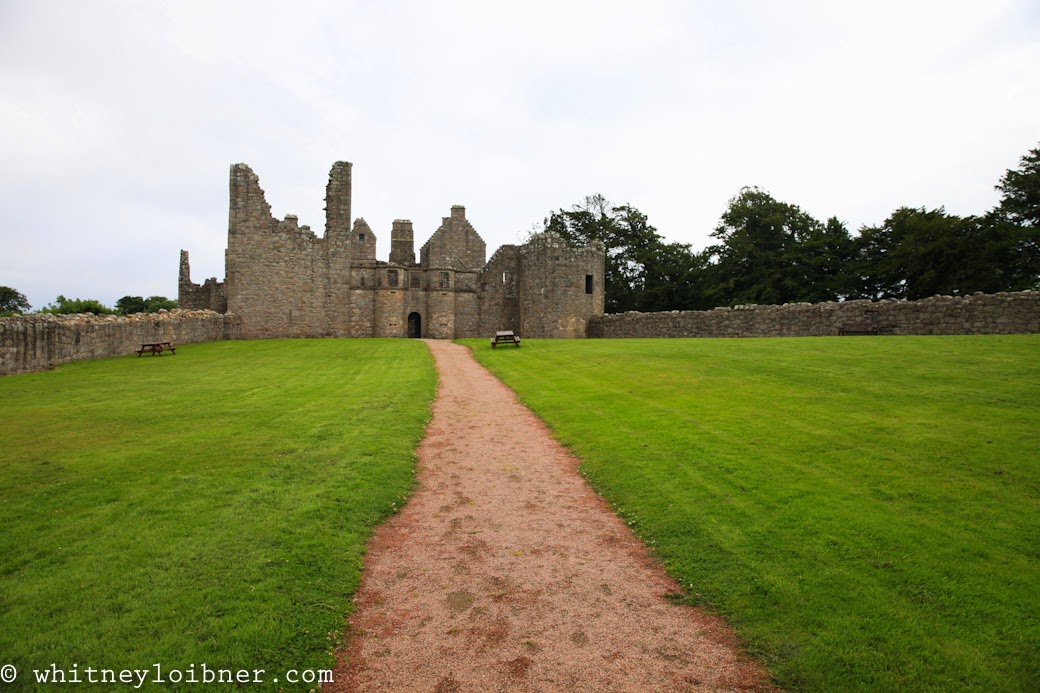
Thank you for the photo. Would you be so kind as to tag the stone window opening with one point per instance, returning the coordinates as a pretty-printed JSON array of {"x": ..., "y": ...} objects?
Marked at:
[
  {"x": 443, "y": 280},
  {"x": 415, "y": 280},
  {"x": 588, "y": 283},
  {"x": 391, "y": 277},
  {"x": 361, "y": 237}
]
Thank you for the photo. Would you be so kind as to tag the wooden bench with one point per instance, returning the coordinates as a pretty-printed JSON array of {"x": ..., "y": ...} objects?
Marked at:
[
  {"x": 156, "y": 349},
  {"x": 505, "y": 337},
  {"x": 849, "y": 330}
]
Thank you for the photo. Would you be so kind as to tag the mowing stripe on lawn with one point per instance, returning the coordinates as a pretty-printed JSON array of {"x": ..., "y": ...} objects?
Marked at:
[
  {"x": 866, "y": 511},
  {"x": 208, "y": 507}
]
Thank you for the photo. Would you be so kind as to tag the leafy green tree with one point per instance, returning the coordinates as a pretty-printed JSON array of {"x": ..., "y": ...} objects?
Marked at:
[
  {"x": 153, "y": 304},
  {"x": 642, "y": 271},
  {"x": 69, "y": 306},
  {"x": 910, "y": 255},
  {"x": 772, "y": 252},
  {"x": 917, "y": 253},
  {"x": 12, "y": 301},
  {"x": 676, "y": 279},
  {"x": 826, "y": 256},
  {"x": 1011, "y": 254},
  {"x": 127, "y": 305},
  {"x": 1017, "y": 220}
]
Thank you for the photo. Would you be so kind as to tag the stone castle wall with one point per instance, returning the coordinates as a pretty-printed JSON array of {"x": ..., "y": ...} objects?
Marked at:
[
  {"x": 210, "y": 295},
  {"x": 1002, "y": 313},
  {"x": 282, "y": 278},
  {"x": 560, "y": 288},
  {"x": 39, "y": 342},
  {"x": 499, "y": 302}
]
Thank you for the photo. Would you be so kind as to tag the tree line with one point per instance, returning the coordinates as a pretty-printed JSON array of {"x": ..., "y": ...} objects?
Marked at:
[
  {"x": 770, "y": 252},
  {"x": 14, "y": 302}
]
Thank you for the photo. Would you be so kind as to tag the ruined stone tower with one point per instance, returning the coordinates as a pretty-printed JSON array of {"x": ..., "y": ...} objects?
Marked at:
[{"x": 283, "y": 281}]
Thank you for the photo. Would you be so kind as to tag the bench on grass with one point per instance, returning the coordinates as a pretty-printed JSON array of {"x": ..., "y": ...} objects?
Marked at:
[
  {"x": 849, "y": 330},
  {"x": 505, "y": 337},
  {"x": 156, "y": 349}
]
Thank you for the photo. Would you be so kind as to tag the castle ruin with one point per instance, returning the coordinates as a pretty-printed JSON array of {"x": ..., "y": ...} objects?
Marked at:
[{"x": 281, "y": 280}]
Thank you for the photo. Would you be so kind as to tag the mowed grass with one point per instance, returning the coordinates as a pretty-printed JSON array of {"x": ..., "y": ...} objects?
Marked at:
[
  {"x": 208, "y": 507},
  {"x": 865, "y": 510}
]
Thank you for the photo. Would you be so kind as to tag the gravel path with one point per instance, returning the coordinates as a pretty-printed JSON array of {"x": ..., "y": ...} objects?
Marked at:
[{"x": 506, "y": 572}]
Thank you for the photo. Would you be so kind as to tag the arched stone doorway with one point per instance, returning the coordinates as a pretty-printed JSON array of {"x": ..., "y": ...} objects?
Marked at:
[{"x": 414, "y": 325}]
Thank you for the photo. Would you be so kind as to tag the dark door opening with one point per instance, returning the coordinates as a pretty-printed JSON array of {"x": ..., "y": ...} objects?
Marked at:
[{"x": 414, "y": 325}]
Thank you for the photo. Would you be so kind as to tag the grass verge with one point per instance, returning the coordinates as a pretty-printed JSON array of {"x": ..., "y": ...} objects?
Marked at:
[
  {"x": 866, "y": 511},
  {"x": 208, "y": 507}
]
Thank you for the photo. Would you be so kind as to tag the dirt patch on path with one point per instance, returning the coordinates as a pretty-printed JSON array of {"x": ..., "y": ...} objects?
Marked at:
[{"x": 506, "y": 572}]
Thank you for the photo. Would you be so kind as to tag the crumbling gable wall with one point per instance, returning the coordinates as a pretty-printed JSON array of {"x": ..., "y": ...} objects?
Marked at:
[
  {"x": 210, "y": 295},
  {"x": 282, "y": 280}
]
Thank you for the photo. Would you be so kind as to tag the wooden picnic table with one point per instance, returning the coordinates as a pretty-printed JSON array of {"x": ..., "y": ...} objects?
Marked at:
[
  {"x": 156, "y": 349},
  {"x": 505, "y": 337}
]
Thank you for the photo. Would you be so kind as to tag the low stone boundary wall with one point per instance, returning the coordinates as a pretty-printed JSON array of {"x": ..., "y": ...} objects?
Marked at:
[
  {"x": 39, "y": 342},
  {"x": 1003, "y": 313}
]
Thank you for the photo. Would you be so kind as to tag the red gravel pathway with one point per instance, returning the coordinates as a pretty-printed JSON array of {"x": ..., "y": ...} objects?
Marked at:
[{"x": 506, "y": 572}]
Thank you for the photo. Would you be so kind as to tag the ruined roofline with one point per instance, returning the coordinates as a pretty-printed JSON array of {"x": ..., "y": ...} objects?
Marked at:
[
  {"x": 339, "y": 223},
  {"x": 245, "y": 191}
]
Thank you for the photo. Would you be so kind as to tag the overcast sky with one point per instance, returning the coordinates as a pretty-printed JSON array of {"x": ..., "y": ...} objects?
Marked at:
[{"x": 119, "y": 120}]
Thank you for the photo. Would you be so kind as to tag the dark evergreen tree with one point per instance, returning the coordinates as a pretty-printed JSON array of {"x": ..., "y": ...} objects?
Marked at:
[
  {"x": 1021, "y": 188},
  {"x": 772, "y": 252},
  {"x": 1017, "y": 219}
]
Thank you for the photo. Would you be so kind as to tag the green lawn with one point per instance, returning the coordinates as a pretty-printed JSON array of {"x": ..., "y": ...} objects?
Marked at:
[
  {"x": 865, "y": 510},
  {"x": 209, "y": 507}
]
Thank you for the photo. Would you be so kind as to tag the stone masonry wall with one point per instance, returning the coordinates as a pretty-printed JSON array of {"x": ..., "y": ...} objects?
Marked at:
[
  {"x": 560, "y": 287},
  {"x": 39, "y": 342},
  {"x": 1002, "y": 313},
  {"x": 498, "y": 302},
  {"x": 456, "y": 244},
  {"x": 209, "y": 295}
]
